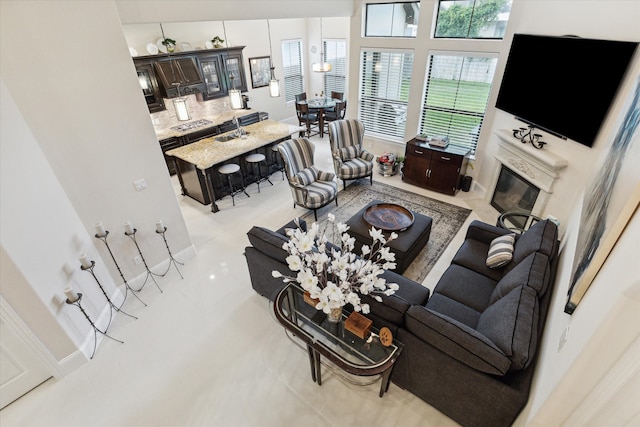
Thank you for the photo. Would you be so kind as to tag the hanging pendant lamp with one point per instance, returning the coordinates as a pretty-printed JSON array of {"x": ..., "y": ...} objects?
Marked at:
[
  {"x": 321, "y": 67},
  {"x": 274, "y": 84},
  {"x": 235, "y": 96}
]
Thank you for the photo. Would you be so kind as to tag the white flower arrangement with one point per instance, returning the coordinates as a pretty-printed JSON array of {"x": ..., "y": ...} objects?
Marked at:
[{"x": 338, "y": 277}]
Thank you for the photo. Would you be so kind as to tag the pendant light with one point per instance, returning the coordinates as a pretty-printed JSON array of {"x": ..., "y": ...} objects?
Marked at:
[
  {"x": 235, "y": 96},
  {"x": 321, "y": 67},
  {"x": 274, "y": 84}
]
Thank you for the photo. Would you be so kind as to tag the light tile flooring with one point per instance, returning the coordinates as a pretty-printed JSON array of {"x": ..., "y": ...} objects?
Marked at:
[{"x": 208, "y": 352}]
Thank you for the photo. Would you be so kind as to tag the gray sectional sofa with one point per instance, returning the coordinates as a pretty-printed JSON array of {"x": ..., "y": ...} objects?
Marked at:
[{"x": 469, "y": 347}]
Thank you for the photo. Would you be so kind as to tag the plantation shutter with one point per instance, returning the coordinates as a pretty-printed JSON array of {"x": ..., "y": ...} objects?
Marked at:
[
  {"x": 335, "y": 53},
  {"x": 292, "y": 68},
  {"x": 384, "y": 91},
  {"x": 456, "y": 96}
]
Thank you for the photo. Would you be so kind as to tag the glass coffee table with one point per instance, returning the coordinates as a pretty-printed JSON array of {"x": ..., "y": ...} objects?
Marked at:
[{"x": 343, "y": 349}]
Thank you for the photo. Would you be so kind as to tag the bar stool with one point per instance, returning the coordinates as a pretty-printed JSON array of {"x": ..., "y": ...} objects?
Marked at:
[
  {"x": 229, "y": 169},
  {"x": 275, "y": 156},
  {"x": 257, "y": 159}
]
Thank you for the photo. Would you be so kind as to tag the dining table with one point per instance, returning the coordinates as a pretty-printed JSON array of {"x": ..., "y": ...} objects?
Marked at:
[{"x": 320, "y": 104}]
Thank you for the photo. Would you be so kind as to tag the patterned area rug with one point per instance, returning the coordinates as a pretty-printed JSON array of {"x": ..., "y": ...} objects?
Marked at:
[{"x": 447, "y": 218}]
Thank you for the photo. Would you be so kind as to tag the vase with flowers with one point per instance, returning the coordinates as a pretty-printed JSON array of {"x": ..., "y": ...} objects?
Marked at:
[{"x": 333, "y": 274}]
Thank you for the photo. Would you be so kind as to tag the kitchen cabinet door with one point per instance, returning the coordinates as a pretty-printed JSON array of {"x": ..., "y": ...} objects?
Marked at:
[
  {"x": 233, "y": 62},
  {"x": 149, "y": 86},
  {"x": 181, "y": 71},
  {"x": 211, "y": 67}
]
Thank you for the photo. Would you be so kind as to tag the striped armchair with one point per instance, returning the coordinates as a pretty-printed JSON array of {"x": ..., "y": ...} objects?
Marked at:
[
  {"x": 310, "y": 187},
  {"x": 350, "y": 160}
]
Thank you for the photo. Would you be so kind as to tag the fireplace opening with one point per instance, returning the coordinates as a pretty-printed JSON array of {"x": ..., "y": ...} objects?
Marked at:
[{"x": 514, "y": 193}]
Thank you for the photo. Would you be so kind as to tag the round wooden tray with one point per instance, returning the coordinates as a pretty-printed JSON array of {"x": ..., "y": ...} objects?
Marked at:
[{"x": 388, "y": 217}]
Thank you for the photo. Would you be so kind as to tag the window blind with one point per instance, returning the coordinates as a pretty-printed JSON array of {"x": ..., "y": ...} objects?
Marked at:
[
  {"x": 456, "y": 96},
  {"x": 384, "y": 91},
  {"x": 335, "y": 53},
  {"x": 292, "y": 68}
]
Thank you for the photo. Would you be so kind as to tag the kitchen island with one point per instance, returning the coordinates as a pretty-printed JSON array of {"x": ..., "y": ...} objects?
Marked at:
[{"x": 197, "y": 163}]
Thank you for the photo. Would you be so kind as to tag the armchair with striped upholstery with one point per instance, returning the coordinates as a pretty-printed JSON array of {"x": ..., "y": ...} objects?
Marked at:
[
  {"x": 310, "y": 187},
  {"x": 350, "y": 159}
]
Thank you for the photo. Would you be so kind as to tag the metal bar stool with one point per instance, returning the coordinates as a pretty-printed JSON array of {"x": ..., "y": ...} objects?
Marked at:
[
  {"x": 275, "y": 160},
  {"x": 229, "y": 169},
  {"x": 257, "y": 159}
]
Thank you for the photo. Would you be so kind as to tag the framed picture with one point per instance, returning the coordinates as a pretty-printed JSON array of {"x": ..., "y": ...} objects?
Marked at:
[
  {"x": 260, "y": 71},
  {"x": 610, "y": 200}
]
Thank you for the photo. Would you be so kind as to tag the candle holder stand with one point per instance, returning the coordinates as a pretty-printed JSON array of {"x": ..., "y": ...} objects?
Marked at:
[
  {"x": 526, "y": 135},
  {"x": 93, "y": 325},
  {"x": 111, "y": 304},
  {"x": 126, "y": 284},
  {"x": 149, "y": 272},
  {"x": 172, "y": 260}
]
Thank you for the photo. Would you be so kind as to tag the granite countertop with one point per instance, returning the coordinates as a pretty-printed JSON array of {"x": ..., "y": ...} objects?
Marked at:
[
  {"x": 208, "y": 152},
  {"x": 216, "y": 120}
]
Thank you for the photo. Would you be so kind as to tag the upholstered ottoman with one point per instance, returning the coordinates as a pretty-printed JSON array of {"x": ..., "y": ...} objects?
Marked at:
[{"x": 408, "y": 244}]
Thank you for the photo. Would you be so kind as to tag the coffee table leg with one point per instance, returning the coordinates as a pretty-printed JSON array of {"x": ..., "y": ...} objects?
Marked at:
[
  {"x": 318, "y": 369},
  {"x": 384, "y": 384},
  {"x": 312, "y": 362}
]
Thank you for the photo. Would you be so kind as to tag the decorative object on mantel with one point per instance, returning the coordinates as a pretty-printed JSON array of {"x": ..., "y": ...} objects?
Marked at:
[
  {"x": 526, "y": 135},
  {"x": 217, "y": 42},
  {"x": 161, "y": 229},
  {"x": 102, "y": 234},
  {"x": 336, "y": 276},
  {"x": 131, "y": 232},
  {"x": 169, "y": 43},
  {"x": 75, "y": 299}
]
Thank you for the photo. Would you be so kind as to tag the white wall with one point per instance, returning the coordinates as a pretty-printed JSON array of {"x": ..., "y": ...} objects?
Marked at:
[{"x": 76, "y": 134}]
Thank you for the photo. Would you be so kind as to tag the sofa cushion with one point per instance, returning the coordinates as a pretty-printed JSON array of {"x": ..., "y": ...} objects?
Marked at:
[
  {"x": 472, "y": 255},
  {"x": 457, "y": 340},
  {"x": 269, "y": 243},
  {"x": 500, "y": 251},
  {"x": 533, "y": 271},
  {"x": 449, "y": 307},
  {"x": 511, "y": 324},
  {"x": 541, "y": 237},
  {"x": 465, "y": 286}
]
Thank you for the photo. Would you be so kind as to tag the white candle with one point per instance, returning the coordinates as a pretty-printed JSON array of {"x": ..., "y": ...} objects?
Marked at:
[
  {"x": 85, "y": 261},
  {"x": 72, "y": 296},
  {"x": 100, "y": 230},
  {"x": 159, "y": 227},
  {"x": 128, "y": 228}
]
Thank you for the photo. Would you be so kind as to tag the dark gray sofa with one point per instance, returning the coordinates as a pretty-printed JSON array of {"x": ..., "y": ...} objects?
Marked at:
[{"x": 469, "y": 348}]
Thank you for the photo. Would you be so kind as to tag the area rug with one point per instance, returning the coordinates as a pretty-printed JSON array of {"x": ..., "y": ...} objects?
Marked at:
[{"x": 447, "y": 218}]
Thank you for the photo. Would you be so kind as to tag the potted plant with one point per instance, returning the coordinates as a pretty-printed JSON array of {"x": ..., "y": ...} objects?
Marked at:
[
  {"x": 217, "y": 42},
  {"x": 170, "y": 44}
]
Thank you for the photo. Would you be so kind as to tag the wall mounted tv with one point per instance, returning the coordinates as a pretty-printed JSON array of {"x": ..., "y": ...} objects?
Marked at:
[{"x": 563, "y": 85}]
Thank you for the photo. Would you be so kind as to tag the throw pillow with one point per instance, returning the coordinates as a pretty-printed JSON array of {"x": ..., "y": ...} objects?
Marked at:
[
  {"x": 350, "y": 152},
  {"x": 306, "y": 176},
  {"x": 500, "y": 251}
]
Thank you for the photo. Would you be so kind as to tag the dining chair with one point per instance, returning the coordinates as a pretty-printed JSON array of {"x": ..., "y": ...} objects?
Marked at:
[
  {"x": 311, "y": 187},
  {"x": 301, "y": 97},
  {"x": 337, "y": 95},
  {"x": 308, "y": 118},
  {"x": 350, "y": 159}
]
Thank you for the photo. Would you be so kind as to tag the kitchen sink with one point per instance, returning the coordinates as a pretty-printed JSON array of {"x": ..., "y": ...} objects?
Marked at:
[{"x": 229, "y": 137}]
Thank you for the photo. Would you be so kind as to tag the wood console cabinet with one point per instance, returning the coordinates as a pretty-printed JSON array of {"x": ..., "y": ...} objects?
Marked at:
[{"x": 437, "y": 169}]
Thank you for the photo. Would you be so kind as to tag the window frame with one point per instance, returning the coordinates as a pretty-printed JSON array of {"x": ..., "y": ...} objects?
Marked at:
[
  {"x": 291, "y": 90},
  {"x": 336, "y": 74},
  {"x": 366, "y": 19},
  {"x": 437, "y": 18}
]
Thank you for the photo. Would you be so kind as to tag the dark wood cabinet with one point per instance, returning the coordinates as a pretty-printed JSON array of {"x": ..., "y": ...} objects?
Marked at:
[
  {"x": 181, "y": 74},
  {"x": 149, "y": 85},
  {"x": 437, "y": 169},
  {"x": 170, "y": 144},
  {"x": 212, "y": 72}
]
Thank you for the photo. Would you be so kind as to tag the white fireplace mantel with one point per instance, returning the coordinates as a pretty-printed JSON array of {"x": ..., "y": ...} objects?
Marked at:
[{"x": 538, "y": 166}]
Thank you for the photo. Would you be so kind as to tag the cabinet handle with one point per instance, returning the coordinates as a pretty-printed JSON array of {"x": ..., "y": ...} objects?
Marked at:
[
  {"x": 418, "y": 152},
  {"x": 445, "y": 158},
  {"x": 428, "y": 173}
]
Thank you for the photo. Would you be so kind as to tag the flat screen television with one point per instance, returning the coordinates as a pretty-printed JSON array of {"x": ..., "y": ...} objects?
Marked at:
[{"x": 563, "y": 85}]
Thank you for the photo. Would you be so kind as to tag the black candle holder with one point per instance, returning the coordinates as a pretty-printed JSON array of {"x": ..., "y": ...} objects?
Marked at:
[
  {"x": 126, "y": 284},
  {"x": 172, "y": 260},
  {"x": 111, "y": 304},
  {"x": 78, "y": 304},
  {"x": 526, "y": 135},
  {"x": 149, "y": 272}
]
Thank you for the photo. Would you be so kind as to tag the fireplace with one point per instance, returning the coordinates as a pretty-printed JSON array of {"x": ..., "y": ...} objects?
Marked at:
[{"x": 523, "y": 176}]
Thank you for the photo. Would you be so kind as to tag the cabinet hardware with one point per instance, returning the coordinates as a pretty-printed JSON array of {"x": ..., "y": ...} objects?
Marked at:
[
  {"x": 418, "y": 152},
  {"x": 445, "y": 158}
]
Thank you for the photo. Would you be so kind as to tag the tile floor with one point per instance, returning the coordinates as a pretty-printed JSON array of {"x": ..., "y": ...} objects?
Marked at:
[{"x": 208, "y": 352}]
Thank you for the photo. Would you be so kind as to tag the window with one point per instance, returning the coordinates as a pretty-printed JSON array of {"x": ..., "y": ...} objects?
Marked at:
[
  {"x": 384, "y": 91},
  {"x": 335, "y": 53},
  {"x": 472, "y": 19},
  {"x": 292, "y": 68},
  {"x": 392, "y": 19},
  {"x": 456, "y": 95}
]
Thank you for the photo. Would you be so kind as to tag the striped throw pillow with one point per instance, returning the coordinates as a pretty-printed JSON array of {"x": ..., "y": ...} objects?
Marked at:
[
  {"x": 349, "y": 152},
  {"x": 306, "y": 176},
  {"x": 500, "y": 251}
]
